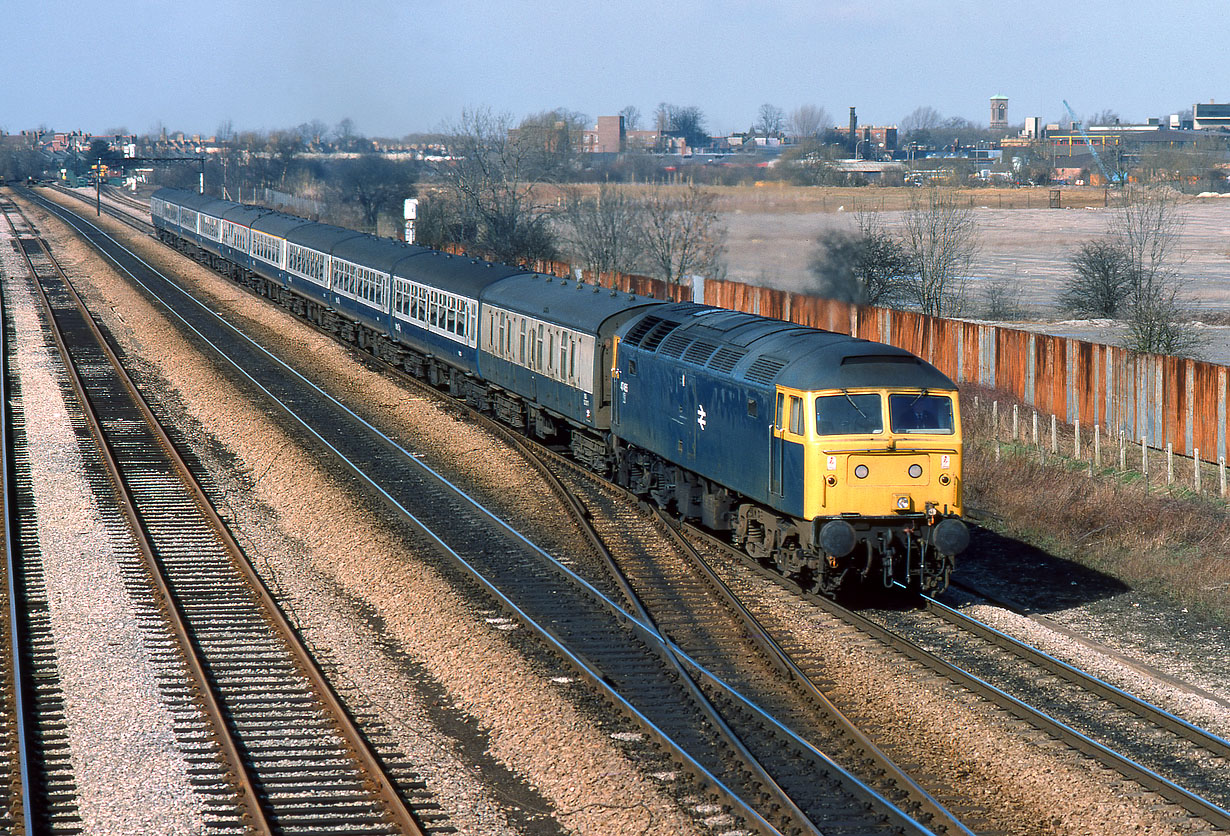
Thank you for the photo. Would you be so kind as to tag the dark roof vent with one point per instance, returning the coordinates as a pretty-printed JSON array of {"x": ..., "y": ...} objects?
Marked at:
[
  {"x": 725, "y": 359},
  {"x": 764, "y": 369},
  {"x": 699, "y": 352},
  {"x": 674, "y": 345}
]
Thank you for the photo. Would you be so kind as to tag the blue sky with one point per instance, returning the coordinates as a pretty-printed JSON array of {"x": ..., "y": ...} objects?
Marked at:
[{"x": 401, "y": 67}]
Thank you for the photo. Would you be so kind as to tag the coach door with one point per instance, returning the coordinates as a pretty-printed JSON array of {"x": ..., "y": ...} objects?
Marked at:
[{"x": 776, "y": 443}]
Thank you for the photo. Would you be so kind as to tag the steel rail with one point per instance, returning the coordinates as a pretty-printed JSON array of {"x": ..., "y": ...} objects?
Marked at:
[
  {"x": 341, "y": 718},
  {"x": 642, "y": 613},
  {"x": 244, "y": 784},
  {"x": 1039, "y": 719},
  {"x": 1130, "y": 702},
  {"x": 23, "y": 784}
]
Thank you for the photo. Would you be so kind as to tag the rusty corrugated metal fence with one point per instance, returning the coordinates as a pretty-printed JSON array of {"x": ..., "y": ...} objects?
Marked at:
[
  {"x": 1144, "y": 396},
  {"x": 1160, "y": 399}
]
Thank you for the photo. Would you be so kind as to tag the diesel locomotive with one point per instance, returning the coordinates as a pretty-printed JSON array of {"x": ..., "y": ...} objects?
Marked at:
[{"x": 834, "y": 459}]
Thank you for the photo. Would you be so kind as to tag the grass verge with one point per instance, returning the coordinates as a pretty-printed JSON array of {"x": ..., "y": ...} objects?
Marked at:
[{"x": 1166, "y": 541}]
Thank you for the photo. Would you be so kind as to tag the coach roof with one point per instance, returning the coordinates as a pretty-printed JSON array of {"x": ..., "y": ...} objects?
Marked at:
[
  {"x": 380, "y": 254},
  {"x": 278, "y": 224},
  {"x": 564, "y": 302},
  {"x": 320, "y": 237},
  {"x": 454, "y": 273}
]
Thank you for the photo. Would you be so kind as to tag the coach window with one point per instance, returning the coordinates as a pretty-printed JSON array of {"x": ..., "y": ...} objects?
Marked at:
[{"x": 522, "y": 351}]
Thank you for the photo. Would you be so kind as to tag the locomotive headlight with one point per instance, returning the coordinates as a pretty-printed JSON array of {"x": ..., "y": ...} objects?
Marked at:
[
  {"x": 915, "y": 471},
  {"x": 861, "y": 471},
  {"x": 903, "y": 503}
]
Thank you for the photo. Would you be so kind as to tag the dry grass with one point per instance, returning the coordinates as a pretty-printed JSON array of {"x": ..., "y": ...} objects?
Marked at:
[
  {"x": 1168, "y": 541},
  {"x": 772, "y": 197}
]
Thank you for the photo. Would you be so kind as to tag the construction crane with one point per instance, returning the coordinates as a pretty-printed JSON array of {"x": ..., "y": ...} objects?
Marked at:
[{"x": 1117, "y": 178}]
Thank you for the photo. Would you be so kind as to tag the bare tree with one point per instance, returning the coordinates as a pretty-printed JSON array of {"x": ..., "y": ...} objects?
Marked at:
[
  {"x": 604, "y": 231},
  {"x": 808, "y": 121},
  {"x": 1002, "y": 299},
  {"x": 683, "y": 234},
  {"x": 924, "y": 118},
  {"x": 868, "y": 267},
  {"x": 375, "y": 184},
  {"x": 941, "y": 238},
  {"x": 1147, "y": 225},
  {"x": 632, "y": 118},
  {"x": 687, "y": 122},
  {"x": 1100, "y": 284},
  {"x": 770, "y": 120},
  {"x": 489, "y": 195},
  {"x": 1106, "y": 116},
  {"x": 551, "y": 141},
  {"x": 345, "y": 135}
]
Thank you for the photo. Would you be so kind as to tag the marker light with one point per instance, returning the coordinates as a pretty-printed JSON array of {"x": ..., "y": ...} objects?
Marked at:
[
  {"x": 861, "y": 471},
  {"x": 915, "y": 470}
]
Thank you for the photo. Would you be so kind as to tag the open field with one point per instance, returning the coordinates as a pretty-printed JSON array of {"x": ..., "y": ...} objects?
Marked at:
[{"x": 772, "y": 232}]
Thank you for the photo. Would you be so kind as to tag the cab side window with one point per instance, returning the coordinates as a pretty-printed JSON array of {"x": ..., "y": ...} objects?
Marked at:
[
  {"x": 796, "y": 415},
  {"x": 779, "y": 416}
]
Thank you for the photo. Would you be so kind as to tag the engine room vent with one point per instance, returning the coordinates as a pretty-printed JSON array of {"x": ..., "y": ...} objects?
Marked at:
[
  {"x": 654, "y": 338},
  {"x": 674, "y": 345},
  {"x": 764, "y": 369},
  {"x": 699, "y": 352},
  {"x": 726, "y": 358},
  {"x": 642, "y": 328}
]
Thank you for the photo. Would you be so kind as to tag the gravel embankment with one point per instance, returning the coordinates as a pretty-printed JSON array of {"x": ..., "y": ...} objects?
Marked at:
[
  {"x": 130, "y": 776},
  {"x": 507, "y": 742}
]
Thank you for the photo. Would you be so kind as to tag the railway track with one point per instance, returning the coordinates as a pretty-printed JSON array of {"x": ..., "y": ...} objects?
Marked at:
[
  {"x": 272, "y": 748},
  {"x": 16, "y": 793},
  {"x": 621, "y": 655},
  {"x": 1163, "y": 754},
  {"x": 118, "y": 206},
  {"x": 1167, "y": 755},
  {"x": 666, "y": 582}
]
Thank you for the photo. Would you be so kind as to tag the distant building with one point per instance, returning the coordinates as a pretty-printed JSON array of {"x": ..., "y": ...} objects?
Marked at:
[
  {"x": 999, "y": 113},
  {"x": 870, "y": 140},
  {"x": 1210, "y": 116},
  {"x": 609, "y": 137}
]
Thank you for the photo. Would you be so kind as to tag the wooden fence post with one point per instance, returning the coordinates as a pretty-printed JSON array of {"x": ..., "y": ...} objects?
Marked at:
[
  {"x": 1169, "y": 463},
  {"x": 995, "y": 421},
  {"x": 1097, "y": 445},
  {"x": 1016, "y": 427},
  {"x": 1076, "y": 439},
  {"x": 1054, "y": 434},
  {"x": 1035, "y": 430},
  {"x": 1144, "y": 459},
  {"x": 1122, "y": 451},
  {"x": 1196, "y": 463}
]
